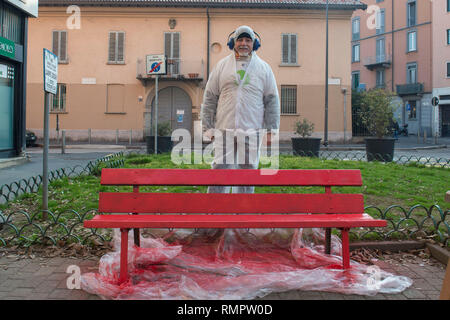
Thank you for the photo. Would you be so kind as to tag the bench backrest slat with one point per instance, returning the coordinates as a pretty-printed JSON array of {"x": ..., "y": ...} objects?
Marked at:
[
  {"x": 230, "y": 177},
  {"x": 230, "y": 203}
]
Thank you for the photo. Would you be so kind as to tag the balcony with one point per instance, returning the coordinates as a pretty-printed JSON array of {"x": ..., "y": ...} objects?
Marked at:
[
  {"x": 409, "y": 89},
  {"x": 378, "y": 62},
  {"x": 177, "y": 70}
]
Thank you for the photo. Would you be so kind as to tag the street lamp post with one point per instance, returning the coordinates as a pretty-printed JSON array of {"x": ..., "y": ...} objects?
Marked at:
[{"x": 325, "y": 140}]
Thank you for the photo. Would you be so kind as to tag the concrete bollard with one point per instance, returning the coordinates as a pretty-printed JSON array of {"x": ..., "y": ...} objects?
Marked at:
[
  {"x": 131, "y": 135},
  {"x": 89, "y": 136},
  {"x": 425, "y": 136},
  {"x": 117, "y": 136},
  {"x": 63, "y": 142},
  {"x": 447, "y": 196}
]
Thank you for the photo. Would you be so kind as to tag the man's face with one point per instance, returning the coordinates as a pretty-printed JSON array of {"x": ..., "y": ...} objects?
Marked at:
[{"x": 244, "y": 46}]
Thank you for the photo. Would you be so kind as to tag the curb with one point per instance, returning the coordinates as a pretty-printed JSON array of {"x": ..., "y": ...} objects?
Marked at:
[
  {"x": 4, "y": 163},
  {"x": 389, "y": 245},
  {"x": 437, "y": 252}
]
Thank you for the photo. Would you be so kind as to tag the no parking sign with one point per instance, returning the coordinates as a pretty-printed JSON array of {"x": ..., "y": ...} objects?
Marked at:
[{"x": 156, "y": 64}]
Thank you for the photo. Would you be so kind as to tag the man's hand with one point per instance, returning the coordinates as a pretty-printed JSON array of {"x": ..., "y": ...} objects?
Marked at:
[{"x": 269, "y": 139}]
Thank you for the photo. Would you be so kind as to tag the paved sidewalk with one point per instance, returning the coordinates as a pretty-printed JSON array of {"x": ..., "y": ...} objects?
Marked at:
[{"x": 46, "y": 279}]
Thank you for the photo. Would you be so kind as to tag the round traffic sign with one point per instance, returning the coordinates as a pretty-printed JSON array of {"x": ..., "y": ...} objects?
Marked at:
[
  {"x": 435, "y": 101},
  {"x": 155, "y": 67}
]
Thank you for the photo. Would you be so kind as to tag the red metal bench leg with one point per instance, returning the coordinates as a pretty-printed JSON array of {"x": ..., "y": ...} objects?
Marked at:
[
  {"x": 345, "y": 248},
  {"x": 123, "y": 255}
]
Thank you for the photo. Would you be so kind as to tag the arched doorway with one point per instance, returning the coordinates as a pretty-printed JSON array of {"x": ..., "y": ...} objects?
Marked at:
[{"x": 174, "y": 106}]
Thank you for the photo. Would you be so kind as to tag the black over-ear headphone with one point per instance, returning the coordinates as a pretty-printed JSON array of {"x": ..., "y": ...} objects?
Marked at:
[{"x": 256, "y": 43}]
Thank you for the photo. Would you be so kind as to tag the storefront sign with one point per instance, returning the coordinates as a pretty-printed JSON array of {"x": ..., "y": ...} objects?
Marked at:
[
  {"x": 7, "y": 48},
  {"x": 27, "y": 6}
]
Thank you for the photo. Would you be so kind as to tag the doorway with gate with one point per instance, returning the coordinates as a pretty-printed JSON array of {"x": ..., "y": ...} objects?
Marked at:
[
  {"x": 174, "y": 109},
  {"x": 445, "y": 120}
]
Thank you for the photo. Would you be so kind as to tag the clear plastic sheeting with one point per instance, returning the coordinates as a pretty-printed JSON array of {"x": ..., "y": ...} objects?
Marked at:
[{"x": 234, "y": 264}]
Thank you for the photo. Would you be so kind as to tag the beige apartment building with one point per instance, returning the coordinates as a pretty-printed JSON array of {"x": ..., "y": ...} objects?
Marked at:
[
  {"x": 102, "y": 47},
  {"x": 403, "y": 46}
]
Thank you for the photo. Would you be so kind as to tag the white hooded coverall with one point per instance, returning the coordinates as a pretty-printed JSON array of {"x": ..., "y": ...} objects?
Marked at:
[{"x": 236, "y": 106}]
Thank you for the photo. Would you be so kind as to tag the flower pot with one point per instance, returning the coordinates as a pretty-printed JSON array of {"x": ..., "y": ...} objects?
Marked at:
[
  {"x": 306, "y": 147},
  {"x": 380, "y": 149},
  {"x": 193, "y": 75},
  {"x": 165, "y": 144}
]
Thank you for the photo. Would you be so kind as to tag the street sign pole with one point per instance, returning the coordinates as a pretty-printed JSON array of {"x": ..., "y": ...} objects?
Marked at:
[
  {"x": 156, "y": 65},
  {"x": 50, "y": 64},
  {"x": 45, "y": 157},
  {"x": 156, "y": 114}
]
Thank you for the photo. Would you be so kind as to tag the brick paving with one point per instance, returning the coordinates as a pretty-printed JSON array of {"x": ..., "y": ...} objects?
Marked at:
[{"x": 46, "y": 279}]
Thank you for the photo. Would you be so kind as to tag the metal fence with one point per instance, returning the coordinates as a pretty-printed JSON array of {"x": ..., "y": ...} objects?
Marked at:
[
  {"x": 362, "y": 156},
  {"x": 10, "y": 192},
  {"x": 21, "y": 228}
]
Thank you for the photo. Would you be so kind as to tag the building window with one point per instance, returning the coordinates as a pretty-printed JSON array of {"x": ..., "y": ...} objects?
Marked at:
[
  {"x": 448, "y": 69},
  {"x": 289, "y": 48},
  {"x": 411, "y": 73},
  {"x": 411, "y": 13},
  {"x": 172, "y": 52},
  {"x": 412, "y": 41},
  {"x": 380, "y": 79},
  {"x": 60, "y": 45},
  {"x": 288, "y": 99},
  {"x": 448, "y": 5},
  {"x": 58, "y": 101},
  {"x": 355, "y": 53},
  {"x": 380, "y": 21},
  {"x": 11, "y": 23},
  {"x": 355, "y": 80},
  {"x": 448, "y": 34},
  {"x": 380, "y": 50},
  {"x": 116, "y": 47},
  {"x": 355, "y": 28},
  {"x": 411, "y": 109}
]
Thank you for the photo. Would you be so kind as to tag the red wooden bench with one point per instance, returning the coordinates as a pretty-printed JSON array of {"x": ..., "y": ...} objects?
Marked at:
[{"x": 273, "y": 210}]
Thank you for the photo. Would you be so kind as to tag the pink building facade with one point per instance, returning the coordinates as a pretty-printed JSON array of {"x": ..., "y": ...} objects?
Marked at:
[
  {"x": 441, "y": 66},
  {"x": 401, "y": 46},
  {"x": 104, "y": 90}
]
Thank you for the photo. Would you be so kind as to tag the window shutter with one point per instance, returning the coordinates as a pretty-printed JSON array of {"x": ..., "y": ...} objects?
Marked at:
[
  {"x": 63, "y": 46},
  {"x": 293, "y": 53},
  {"x": 176, "y": 45},
  {"x": 112, "y": 47},
  {"x": 55, "y": 42},
  {"x": 167, "y": 41},
  {"x": 285, "y": 48},
  {"x": 120, "y": 46}
]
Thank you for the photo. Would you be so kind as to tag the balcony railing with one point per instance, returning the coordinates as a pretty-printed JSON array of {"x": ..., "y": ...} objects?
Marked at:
[
  {"x": 177, "y": 69},
  {"x": 379, "y": 61},
  {"x": 409, "y": 89}
]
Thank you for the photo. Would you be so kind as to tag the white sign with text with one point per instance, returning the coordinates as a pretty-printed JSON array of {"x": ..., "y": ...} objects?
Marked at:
[{"x": 50, "y": 72}]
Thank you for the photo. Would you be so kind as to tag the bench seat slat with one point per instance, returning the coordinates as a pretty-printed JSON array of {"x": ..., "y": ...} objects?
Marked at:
[
  {"x": 228, "y": 177},
  {"x": 235, "y": 221},
  {"x": 230, "y": 203}
]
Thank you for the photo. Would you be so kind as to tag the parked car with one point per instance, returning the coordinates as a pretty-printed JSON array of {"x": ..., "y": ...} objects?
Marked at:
[{"x": 30, "y": 139}]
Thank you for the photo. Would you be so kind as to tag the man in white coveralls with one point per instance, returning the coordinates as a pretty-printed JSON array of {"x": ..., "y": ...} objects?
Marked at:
[{"x": 240, "y": 99}]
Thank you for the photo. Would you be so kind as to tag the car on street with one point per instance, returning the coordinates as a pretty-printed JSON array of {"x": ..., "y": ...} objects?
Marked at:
[{"x": 30, "y": 139}]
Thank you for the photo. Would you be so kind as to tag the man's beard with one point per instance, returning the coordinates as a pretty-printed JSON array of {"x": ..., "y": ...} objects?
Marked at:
[{"x": 244, "y": 53}]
